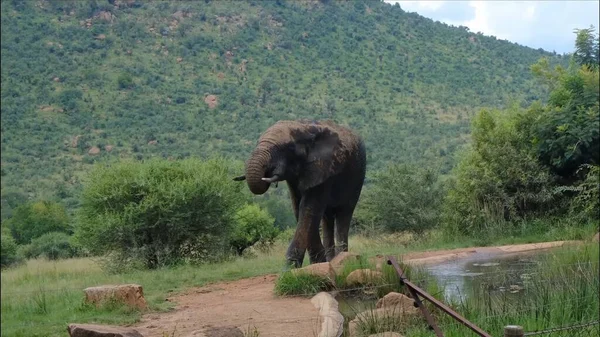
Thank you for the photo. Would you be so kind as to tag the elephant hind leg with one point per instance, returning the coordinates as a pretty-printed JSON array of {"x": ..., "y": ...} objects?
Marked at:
[
  {"x": 342, "y": 228},
  {"x": 328, "y": 225}
]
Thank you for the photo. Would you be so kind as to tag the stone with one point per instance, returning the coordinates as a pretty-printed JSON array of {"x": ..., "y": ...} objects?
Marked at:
[
  {"x": 332, "y": 321},
  {"x": 395, "y": 314},
  {"x": 211, "y": 101},
  {"x": 94, "y": 150},
  {"x": 363, "y": 276},
  {"x": 319, "y": 269},
  {"x": 94, "y": 330},
  {"x": 129, "y": 294},
  {"x": 399, "y": 300},
  {"x": 108, "y": 148},
  {"x": 153, "y": 142},
  {"x": 337, "y": 263},
  {"x": 379, "y": 261},
  {"x": 386, "y": 334}
]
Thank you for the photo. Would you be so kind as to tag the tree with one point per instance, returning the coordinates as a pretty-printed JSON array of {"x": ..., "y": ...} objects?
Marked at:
[
  {"x": 402, "y": 197},
  {"x": 34, "y": 219},
  {"x": 8, "y": 249},
  {"x": 587, "y": 47},
  {"x": 159, "y": 212},
  {"x": 252, "y": 225}
]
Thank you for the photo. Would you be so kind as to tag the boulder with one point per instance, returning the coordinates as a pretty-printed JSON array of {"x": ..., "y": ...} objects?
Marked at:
[
  {"x": 211, "y": 101},
  {"x": 379, "y": 261},
  {"x": 94, "y": 150},
  {"x": 332, "y": 322},
  {"x": 108, "y": 148},
  {"x": 383, "y": 315},
  {"x": 398, "y": 300},
  {"x": 319, "y": 269},
  {"x": 94, "y": 330},
  {"x": 129, "y": 294},
  {"x": 337, "y": 263},
  {"x": 363, "y": 276}
]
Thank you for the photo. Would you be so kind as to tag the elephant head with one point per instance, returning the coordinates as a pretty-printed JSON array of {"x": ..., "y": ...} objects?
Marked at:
[{"x": 303, "y": 152}]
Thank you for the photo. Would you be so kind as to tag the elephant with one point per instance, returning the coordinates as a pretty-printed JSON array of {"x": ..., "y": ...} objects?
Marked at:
[{"x": 324, "y": 165}]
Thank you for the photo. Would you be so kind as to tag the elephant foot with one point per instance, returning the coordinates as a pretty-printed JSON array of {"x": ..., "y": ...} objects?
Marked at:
[
  {"x": 295, "y": 257},
  {"x": 318, "y": 257}
]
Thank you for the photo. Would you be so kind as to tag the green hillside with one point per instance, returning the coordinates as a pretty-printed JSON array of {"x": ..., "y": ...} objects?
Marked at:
[{"x": 86, "y": 81}]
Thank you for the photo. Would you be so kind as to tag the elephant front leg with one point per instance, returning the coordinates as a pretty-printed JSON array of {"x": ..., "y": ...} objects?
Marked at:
[
  {"x": 342, "y": 228},
  {"x": 307, "y": 235},
  {"x": 328, "y": 231}
]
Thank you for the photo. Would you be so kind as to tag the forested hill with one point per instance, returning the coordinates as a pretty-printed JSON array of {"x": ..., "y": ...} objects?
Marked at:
[{"x": 86, "y": 81}]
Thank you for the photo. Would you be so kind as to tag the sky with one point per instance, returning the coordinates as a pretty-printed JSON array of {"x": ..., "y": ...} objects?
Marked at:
[{"x": 538, "y": 24}]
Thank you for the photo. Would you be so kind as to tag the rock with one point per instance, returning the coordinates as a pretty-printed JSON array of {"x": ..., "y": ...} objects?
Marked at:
[
  {"x": 108, "y": 148},
  {"x": 337, "y": 263},
  {"x": 211, "y": 100},
  {"x": 319, "y": 269},
  {"x": 332, "y": 321},
  {"x": 363, "y": 276},
  {"x": 220, "y": 331},
  {"x": 75, "y": 141},
  {"x": 391, "y": 314},
  {"x": 179, "y": 59},
  {"x": 101, "y": 37},
  {"x": 386, "y": 334},
  {"x": 130, "y": 294},
  {"x": 399, "y": 300},
  {"x": 106, "y": 16},
  {"x": 153, "y": 142},
  {"x": 56, "y": 79},
  {"x": 596, "y": 237},
  {"x": 94, "y": 330},
  {"x": 94, "y": 150}
]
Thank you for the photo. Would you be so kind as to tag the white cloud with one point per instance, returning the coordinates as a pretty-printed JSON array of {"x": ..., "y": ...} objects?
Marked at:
[{"x": 537, "y": 24}]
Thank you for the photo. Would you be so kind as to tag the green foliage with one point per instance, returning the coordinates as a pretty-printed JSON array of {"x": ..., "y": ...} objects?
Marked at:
[
  {"x": 8, "y": 249},
  {"x": 586, "y": 203},
  {"x": 408, "y": 84},
  {"x": 252, "y": 225},
  {"x": 567, "y": 133},
  {"x": 301, "y": 284},
  {"x": 498, "y": 178},
  {"x": 157, "y": 212},
  {"x": 53, "y": 246},
  {"x": 587, "y": 49},
  {"x": 33, "y": 219},
  {"x": 402, "y": 197}
]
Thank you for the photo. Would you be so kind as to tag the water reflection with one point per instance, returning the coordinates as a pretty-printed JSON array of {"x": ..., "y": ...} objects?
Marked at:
[{"x": 487, "y": 272}]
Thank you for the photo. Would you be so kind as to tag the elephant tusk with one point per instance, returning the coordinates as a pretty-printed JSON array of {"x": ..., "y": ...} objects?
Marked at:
[
  {"x": 273, "y": 179},
  {"x": 240, "y": 178}
]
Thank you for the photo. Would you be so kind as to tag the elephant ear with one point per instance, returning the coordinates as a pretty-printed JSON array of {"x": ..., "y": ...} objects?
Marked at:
[{"x": 318, "y": 146}]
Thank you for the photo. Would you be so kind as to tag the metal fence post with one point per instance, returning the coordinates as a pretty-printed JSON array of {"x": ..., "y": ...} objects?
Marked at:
[{"x": 513, "y": 331}]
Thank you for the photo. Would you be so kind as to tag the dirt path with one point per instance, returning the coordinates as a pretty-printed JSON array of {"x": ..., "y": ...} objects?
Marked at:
[{"x": 251, "y": 303}]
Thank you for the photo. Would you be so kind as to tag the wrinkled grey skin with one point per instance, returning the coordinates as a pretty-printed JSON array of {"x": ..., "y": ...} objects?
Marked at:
[{"x": 324, "y": 166}]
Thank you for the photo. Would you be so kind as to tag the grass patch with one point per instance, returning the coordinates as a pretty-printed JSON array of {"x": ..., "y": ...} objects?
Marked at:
[{"x": 301, "y": 284}]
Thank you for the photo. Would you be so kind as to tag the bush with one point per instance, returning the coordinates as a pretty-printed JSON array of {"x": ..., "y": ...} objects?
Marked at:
[
  {"x": 34, "y": 219},
  {"x": 53, "y": 246},
  {"x": 252, "y": 225},
  {"x": 8, "y": 250},
  {"x": 159, "y": 212},
  {"x": 401, "y": 198}
]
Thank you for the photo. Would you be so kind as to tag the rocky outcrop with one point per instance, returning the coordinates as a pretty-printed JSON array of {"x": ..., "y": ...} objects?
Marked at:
[
  {"x": 94, "y": 150},
  {"x": 129, "y": 294},
  {"x": 332, "y": 322},
  {"x": 94, "y": 330},
  {"x": 398, "y": 300}
]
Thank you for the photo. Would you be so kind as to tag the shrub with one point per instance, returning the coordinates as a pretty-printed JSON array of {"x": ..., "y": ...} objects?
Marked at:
[
  {"x": 53, "y": 246},
  {"x": 158, "y": 212},
  {"x": 8, "y": 250},
  {"x": 401, "y": 198},
  {"x": 252, "y": 225},
  {"x": 34, "y": 219}
]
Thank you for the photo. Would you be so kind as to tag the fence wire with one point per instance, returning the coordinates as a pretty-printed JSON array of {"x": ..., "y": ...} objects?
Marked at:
[{"x": 561, "y": 329}]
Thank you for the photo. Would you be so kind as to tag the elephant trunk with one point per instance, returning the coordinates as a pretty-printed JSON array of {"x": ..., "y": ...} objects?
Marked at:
[{"x": 256, "y": 169}]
